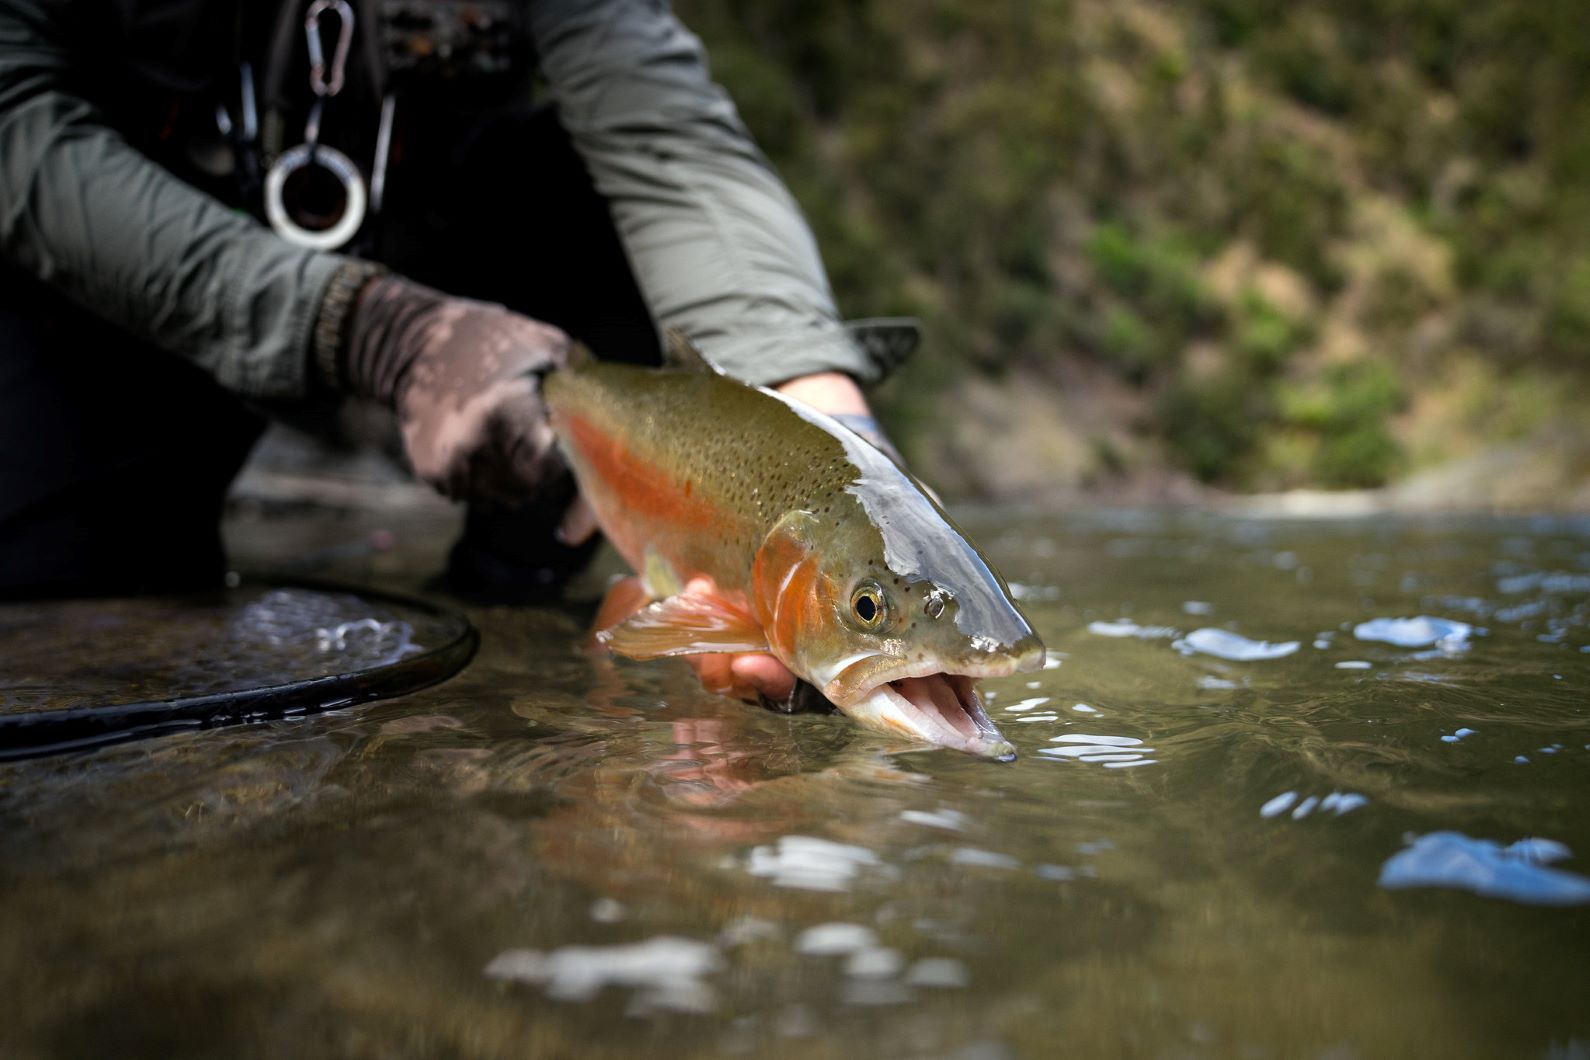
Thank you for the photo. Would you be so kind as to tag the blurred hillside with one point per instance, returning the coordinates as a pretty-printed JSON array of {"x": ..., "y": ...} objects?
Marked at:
[{"x": 1246, "y": 243}]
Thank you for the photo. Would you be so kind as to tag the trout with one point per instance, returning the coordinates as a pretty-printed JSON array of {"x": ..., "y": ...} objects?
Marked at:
[{"x": 819, "y": 548}]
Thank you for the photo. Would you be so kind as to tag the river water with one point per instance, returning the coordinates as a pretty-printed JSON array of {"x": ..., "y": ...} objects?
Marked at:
[{"x": 1286, "y": 789}]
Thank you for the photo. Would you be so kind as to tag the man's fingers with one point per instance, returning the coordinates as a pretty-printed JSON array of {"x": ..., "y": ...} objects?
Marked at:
[
  {"x": 764, "y": 673},
  {"x": 749, "y": 676},
  {"x": 714, "y": 673}
]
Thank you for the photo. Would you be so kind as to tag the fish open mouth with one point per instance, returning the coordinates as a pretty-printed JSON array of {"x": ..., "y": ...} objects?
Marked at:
[
  {"x": 946, "y": 709},
  {"x": 918, "y": 700},
  {"x": 939, "y": 708}
]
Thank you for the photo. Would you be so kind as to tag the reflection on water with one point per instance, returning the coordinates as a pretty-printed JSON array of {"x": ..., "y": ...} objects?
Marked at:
[
  {"x": 1444, "y": 634},
  {"x": 668, "y": 972},
  {"x": 1518, "y": 871},
  {"x": 1370, "y": 844}
]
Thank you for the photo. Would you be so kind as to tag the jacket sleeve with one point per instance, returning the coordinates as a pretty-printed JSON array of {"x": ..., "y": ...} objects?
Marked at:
[
  {"x": 85, "y": 212},
  {"x": 718, "y": 246}
]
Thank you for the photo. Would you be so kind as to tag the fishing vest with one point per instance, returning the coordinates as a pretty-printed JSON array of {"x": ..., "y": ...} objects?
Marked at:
[{"x": 220, "y": 92}]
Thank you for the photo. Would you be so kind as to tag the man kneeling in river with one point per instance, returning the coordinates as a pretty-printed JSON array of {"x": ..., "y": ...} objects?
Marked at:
[{"x": 147, "y": 320}]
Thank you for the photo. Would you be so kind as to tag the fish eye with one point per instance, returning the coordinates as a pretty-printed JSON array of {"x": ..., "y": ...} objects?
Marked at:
[{"x": 868, "y": 606}]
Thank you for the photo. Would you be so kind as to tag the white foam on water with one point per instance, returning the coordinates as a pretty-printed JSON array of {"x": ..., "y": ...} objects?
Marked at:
[
  {"x": 1125, "y": 627},
  {"x": 1224, "y": 644},
  {"x": 1338, "y": 801},
  {"x": 1355, "y": 664},
  {"x": 1278, "y": 805},
  {"x": 1518, "y": 872},
  {"x": 835, "y": 939},
  {"x": 987, "y": 859},
  {"x": 666, "y": 970},
  {"x": 1083, "y": 708},
  {"x": 1196, "y": 607},
  {"x": 386, "y": 642},
  {"x": 1445, "y": 634},
  {"x": 954, "y": 820},
  {"x": 1343, "y": 802},
  {"x": 1027, "y": 704},
  {"x": 810, "y": 863},
  {"x": 874, "y": 962},
  {"x": 1037, "y": 717},
  {"x": 1457, "y": 736}
]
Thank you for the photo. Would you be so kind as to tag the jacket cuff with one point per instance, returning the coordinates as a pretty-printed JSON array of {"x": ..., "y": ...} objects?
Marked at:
[
  {"x": 329, "y": 341},
  {"x": 867, "y": 350}
]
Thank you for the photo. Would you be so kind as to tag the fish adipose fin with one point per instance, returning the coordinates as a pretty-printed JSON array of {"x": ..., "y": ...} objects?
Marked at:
[{"x": 686, "y": 624}]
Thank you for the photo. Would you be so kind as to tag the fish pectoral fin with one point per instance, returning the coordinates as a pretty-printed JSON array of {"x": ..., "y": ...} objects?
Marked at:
[
  {"x": 624, "y": 597},
  {"x": 685, "y": 624}
]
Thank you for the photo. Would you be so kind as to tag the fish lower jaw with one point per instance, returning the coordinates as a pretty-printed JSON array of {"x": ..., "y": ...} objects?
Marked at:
[{"x": 934, "y": 707}]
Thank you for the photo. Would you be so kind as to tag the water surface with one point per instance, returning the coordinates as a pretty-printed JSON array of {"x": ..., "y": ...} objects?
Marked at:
[{"x": 1285, "y": 789}]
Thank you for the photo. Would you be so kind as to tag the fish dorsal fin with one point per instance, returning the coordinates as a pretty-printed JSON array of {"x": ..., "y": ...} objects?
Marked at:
[
  {"x": 682, "y": 354},
  {"x": 686, "y": 624}
]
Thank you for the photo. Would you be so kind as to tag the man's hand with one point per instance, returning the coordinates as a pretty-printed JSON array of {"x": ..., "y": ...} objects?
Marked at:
[
  {"x": 832, "y": 392},
  {"x": 465, "y": 380}
]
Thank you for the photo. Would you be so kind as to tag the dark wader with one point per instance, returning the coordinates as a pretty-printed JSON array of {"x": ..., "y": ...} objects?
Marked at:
[{"x": 115, "y": 457}]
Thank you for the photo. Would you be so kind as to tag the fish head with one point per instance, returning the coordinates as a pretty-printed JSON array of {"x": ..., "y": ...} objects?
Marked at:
[{"x": 893, "y": 615}]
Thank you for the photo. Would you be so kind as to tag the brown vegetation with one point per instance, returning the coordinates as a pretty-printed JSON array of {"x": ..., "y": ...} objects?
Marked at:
[{"x": 1256, "y": 244}]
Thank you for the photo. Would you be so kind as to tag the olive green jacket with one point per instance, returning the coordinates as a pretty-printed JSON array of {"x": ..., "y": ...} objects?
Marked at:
[{"x": 719, "y": 248}]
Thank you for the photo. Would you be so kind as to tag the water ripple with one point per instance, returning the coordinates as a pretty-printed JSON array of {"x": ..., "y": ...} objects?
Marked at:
[
  {"x": 1339, "y": 801},
  {"x": 1113, "y": 752}
]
